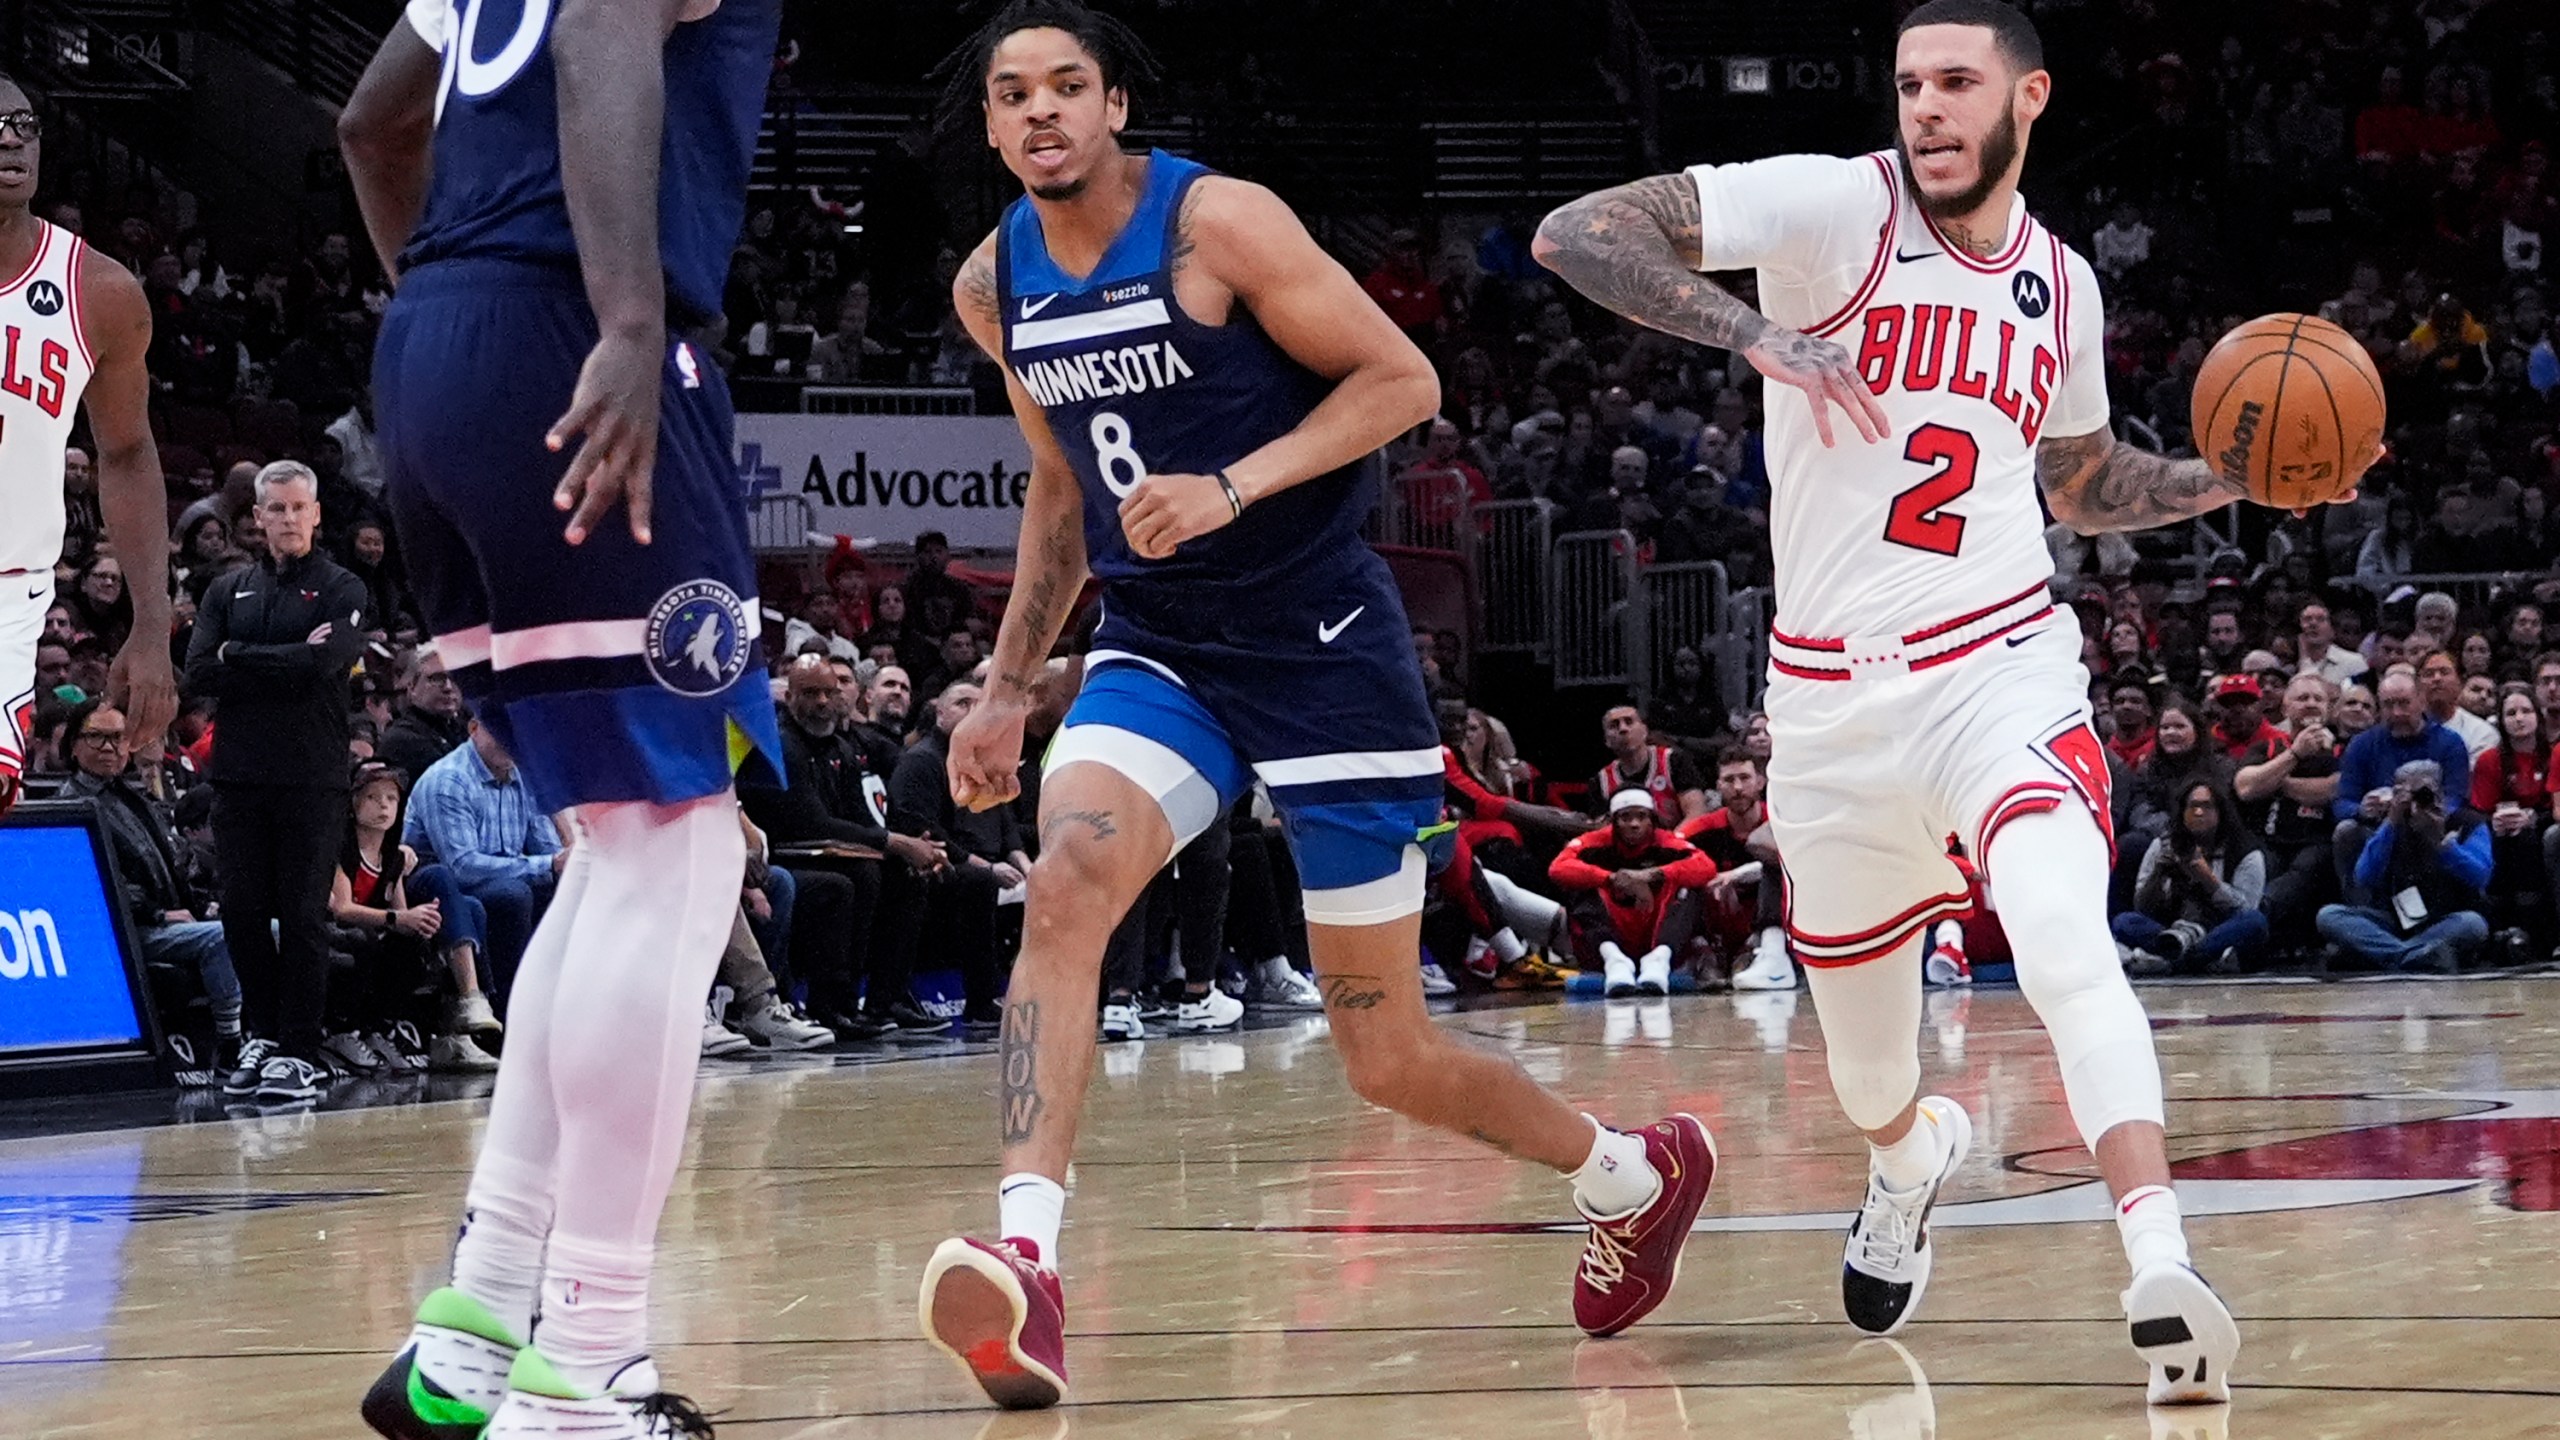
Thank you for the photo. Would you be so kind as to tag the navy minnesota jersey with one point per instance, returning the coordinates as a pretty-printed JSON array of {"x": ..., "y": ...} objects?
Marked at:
[
  {"x": 1132, "y": 386},
  {"x": 497, "y": 190}
]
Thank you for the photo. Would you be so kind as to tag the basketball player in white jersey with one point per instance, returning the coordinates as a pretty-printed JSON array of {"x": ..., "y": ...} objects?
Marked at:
[
  {"x": 73, "y": 325},
  {"x": 1923, "y": 684}
]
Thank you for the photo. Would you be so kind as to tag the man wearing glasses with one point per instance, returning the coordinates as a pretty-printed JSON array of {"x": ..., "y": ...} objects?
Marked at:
[
  {"x": 430, "y": 724},
  {"x": 165, "y": 916},
  {"x": 274, "y": 645},
  {"x": 74, "y": 326}
]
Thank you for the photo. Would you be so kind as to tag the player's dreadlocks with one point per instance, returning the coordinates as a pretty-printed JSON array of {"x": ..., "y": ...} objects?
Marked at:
[{"x": 1124, "y": 60}]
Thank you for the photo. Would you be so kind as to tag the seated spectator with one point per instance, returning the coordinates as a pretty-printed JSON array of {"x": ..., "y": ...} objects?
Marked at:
[
  {"x": 937, "y": 601},
  {"x": 2196, "y": 897},
  {"x": 844, "y": 354},
  {"x": 99, "y": 605},
  {"x": 958, "y": 657},
  {"x": 2440, "y": 690},
  {"x": 1489, "y": 789},
  {"x": 1667, "y": 774},
  {"x": 168, "y": 918},
  {"x": 766, "y": 899},
  {"x": 1690, "y": 712},
  {"x": 961, "y": 901},
  {"x": 2427, "y": 876},
  {"x": 2316, "y": 648},
  {"x": 430, "y": 724},
  {"x": 388, "y": 610},
  {"x": 893, "y": 626},
  {"x": 2476, "y": 655},
  {"x": 2512, "y": 786},
  {"x": 1440, "y": 485},
  {"x": 1187, "y": 901},
  {"x": 2365, "y": 768},
  {"x": 471, "y": 814},
  {"x": 1746, "y": 900},
  {"x": 2521, "y": 641},
  {"x": 2240, "y": 717},
  {"x": 2356, "y": 712},
  {"x": 395, "y": 951},
  {"x": 2180, "y": 755},
  {"x": 2133, "y": 731},
  {"x": 1266, "y": 908},
  {"x": 1636, "y": 892},
  {"x": 2285, "y": 786},
  {"x": 819, "y": 622}
]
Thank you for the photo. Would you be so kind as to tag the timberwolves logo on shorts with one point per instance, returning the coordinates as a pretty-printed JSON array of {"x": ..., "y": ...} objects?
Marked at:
[
  {"x": 697, "y": 638},
  {"x": 45, "y": 298}
]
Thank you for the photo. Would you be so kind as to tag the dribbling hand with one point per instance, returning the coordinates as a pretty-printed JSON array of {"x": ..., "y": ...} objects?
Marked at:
[
  {"x": 986, "y": 755},
  {"x": 615, "y": 410},
  {"x": 1826, "y": 374}
]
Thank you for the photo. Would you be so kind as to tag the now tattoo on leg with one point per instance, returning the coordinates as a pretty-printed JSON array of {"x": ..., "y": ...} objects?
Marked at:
[{"x": 1019, "y": 1047}]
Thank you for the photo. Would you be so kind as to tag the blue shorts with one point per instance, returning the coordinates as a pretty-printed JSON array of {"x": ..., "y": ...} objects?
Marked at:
[
  {"x": 610, "y": 670},
  {"x": 1313, "y": 691}
]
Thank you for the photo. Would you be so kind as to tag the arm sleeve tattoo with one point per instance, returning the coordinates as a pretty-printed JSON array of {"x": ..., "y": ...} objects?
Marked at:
[
  {"x": 1633, "y": 249},
  {"x": 2096, "y": 484}
]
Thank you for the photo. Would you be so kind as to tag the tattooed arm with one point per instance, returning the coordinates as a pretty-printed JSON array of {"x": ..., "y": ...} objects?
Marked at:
[
  {"x": 1636, "y": 249},
  {"x": 2097, "y": 483},
  {"x": 1049, "y": 570}
]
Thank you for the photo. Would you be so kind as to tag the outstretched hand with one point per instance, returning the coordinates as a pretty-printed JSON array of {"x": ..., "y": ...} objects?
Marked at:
[
  {"x": 614, "y": 416},
  {"x": 1828, "y": 376}
]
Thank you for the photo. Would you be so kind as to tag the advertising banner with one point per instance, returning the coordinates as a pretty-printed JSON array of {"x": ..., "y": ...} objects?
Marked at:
[{"x": 891, "y": 477}]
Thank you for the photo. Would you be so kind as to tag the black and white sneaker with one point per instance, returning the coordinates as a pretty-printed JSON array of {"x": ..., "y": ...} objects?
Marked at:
[
  {"x": 288, "y": 1078},
  {"x": 348, "y": 1054},
  {"x": 1886, "y": 1267},
  {"x": 2184, "y": 1332},
  {"x": 189, "y": 1070},
  {"x": 402, "y": 1048},
  {"x": 254, "y": 1055}
]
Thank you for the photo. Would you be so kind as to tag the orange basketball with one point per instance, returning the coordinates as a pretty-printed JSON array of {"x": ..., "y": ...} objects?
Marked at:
[{"x": 2290, "y": 407}]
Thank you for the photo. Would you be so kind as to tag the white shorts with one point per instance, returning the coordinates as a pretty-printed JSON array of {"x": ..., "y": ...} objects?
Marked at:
[
  {"x": 1873, "y": 779},
  {"x": 24, "y": 597}
]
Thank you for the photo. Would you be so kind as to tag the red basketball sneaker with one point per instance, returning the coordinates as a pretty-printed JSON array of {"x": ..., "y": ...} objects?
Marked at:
[
  {"x": 999, "y": 1312},
  {"x": 1631, "y": 1263}
]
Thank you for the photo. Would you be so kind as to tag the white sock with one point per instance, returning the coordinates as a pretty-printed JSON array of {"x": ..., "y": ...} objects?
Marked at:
[
  {"x": 1507, "y": 945},
  {"x": 1658, "y": 955},
  {"x": 1032, "y": 1207},
  {"x": 1611, "y": 954},
  {"x": 2148, "y": 1222},
  {"x": 1616, "y": 1179},
  {"x": 625, "y": 1042},
  {"x": 1913, "y": 1160},
  {"x": 498, "y": 1260}
]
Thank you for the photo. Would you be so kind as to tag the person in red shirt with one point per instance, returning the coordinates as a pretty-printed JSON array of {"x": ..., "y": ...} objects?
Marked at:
[
  {"x": 1640, "y": 887},
  {"x": 2240, "y": 717},
  {"x": 2136, "y": 734},
  {"x": 1405, "y": 290},
  {"x": 2511, "y": 783}
]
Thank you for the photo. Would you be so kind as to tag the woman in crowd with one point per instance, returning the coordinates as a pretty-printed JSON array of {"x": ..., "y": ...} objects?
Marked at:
[
  {"x": 205, "y": 549},
  {"x": 916, "y": 651},
  {"x": 395, "y": 944},
  {"x": 2125, "y": 652},
  {"x": 2476, "y": 655},
  {"x": 2196, "y": 898},
  {"x": 1689, "y": 713},
  {"x": 2391, "y": 551},
  {"x": 2181, "y": 756},
  {"x": 388, "y": 607},
  {"x": 2511, "y": 784},
  {"x": 99, "y": 605}
]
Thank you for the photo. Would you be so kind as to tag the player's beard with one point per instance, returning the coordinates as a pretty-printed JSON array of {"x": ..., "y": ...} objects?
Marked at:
[
  {"x": 1999, "y": 151},
  {"x": 1062, "y": 190}
]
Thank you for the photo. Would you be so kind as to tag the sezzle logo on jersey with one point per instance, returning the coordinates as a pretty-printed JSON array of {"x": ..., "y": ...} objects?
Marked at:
[
  {"x": 46, "y": 383},
  {"x": 1907, "y": 347}
]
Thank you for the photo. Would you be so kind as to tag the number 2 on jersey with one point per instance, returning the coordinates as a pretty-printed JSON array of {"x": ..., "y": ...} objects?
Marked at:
[
  {"x": 1915, "y": 520},
  {"x": 1116, "y": 455}
]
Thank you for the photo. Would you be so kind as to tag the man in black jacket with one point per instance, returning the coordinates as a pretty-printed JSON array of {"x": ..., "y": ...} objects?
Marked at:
[
  {"x": 164, "y": 914},
  {"x": 854, "y": 916},
  {"x": 985, "y": 847},
  {"x": 430, "y": 724},
  {"x": 275, "y": 644}
]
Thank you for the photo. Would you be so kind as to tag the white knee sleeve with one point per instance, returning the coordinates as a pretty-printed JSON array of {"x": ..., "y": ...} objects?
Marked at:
[
  {"x": 2048, "y": 878},
  {"x": 1870, "y": 1016}
]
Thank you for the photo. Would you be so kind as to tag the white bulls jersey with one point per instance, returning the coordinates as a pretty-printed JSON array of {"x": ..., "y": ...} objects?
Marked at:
[
  {"x": 1973, "y": 361},
  {"x": 44, "y": 367}
]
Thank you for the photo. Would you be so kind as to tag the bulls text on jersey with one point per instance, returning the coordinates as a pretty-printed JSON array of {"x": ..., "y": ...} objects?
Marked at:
[
  {"x": 48, "y": 384},
  {"x": 1921, "y": 348}
]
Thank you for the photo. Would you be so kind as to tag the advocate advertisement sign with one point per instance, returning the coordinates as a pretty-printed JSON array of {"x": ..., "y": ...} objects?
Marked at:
[{"x": 890, "y": 477}]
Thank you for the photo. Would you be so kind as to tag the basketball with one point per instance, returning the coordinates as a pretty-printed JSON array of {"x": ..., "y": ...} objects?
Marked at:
[{"x": 2290, "y": 407}]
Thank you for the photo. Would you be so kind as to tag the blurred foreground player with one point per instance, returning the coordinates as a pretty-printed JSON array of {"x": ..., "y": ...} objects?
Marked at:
[
  {"x": 1201, "y": 387},
  {"x": 589, "y": 178},
  {"x": 77, "y": 327},
  {"x": 1922, "y": 683}
]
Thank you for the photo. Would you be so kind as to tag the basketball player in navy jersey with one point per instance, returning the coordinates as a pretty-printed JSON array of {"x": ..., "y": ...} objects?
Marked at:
[
  {"x": 589, "y": 170},
  {"x": 1201, "y": 387}
]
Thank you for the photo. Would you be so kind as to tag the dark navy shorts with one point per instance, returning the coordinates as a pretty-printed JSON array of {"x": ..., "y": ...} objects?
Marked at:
[
  {"x": 610, "y": 670},
  {"x": 1313, "y": 691}
]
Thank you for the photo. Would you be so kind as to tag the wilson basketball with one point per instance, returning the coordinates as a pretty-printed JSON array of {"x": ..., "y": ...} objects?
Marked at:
[{"x": 2290, "y": 407}]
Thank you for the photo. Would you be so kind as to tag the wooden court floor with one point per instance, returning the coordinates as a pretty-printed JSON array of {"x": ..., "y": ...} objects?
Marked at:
[{"x": 2374, "y": 1170}]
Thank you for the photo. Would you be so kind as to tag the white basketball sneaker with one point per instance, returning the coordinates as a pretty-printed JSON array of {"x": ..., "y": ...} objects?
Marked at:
[
  {"x": 1886, "y": 1266},
  {"x": 541, "y": 1404},
  {"x": 2184, "y": 1332},
  {"x": 1121, "y": 1021},
  {"x": 1617, "y": 971},
  {"x": 1216, "y": 1010},
  {"x": 1946, "y": 964},
  {"x": 1770, "y": 969}
]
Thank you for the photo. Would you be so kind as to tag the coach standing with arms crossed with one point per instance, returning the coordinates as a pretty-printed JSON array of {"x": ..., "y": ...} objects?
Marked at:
[{"x": 275, "y": 644}]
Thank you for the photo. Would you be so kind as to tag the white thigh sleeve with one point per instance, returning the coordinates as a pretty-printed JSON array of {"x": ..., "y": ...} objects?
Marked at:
[{"x": 1189, "y": 800}]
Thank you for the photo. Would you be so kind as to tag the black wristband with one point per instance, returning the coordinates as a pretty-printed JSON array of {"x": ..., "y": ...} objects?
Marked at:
[{"x": 1235, "y": 501}]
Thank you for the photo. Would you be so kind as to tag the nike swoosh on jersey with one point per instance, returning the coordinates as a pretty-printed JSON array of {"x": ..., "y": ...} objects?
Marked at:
[
  {"x": 1326, "y": 634},
  {"x": 1923, "y": 255},
  {"x": 1030, "y": 309}
]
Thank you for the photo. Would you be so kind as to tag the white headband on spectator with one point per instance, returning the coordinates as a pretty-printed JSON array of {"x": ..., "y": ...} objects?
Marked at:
[{"x": 1630, "y": 800}]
